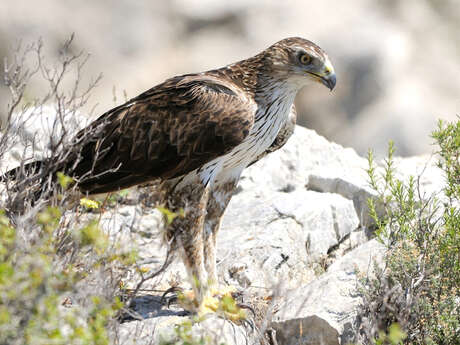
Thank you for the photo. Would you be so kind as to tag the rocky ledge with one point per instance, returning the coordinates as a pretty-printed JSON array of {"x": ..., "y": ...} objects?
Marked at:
[
  {"x": 295, "y": 238},
  {"x": 297, "y": 235}
]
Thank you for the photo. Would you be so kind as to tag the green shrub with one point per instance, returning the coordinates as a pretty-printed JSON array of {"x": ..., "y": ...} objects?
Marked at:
[
  {"x": 36, "y": 282},
  {"x": 59, "y": 273},
  {"x": 419, "y": 286}
]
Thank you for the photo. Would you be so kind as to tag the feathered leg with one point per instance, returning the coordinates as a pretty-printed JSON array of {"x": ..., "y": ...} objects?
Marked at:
[
  {"x": 217, "y": 203},
  {"x": 187, "y": 230}
]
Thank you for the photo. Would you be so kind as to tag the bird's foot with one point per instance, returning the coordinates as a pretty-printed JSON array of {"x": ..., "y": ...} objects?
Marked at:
[
  {"x": 220, "y": 300},
  {"x": 171, "y": 296},
  {"x": 217, "y": 300}
]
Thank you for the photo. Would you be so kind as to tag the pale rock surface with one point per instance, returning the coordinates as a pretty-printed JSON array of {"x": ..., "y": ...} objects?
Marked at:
[
  {"x": 324, "y": 311},
  {"x": 161, "y": 330},
  {"x": 297, "y": 209},
  {"x": 281, "y": 235}
]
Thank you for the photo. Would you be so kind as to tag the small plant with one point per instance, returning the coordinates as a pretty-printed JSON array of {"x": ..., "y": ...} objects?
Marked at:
[
  {"x": 35, "y": 285},
  {"x": 418, "y": 289},
  {"x": 183, "y": 335},
  {"x": 395, "y": 336},
  {"x": 59, "y": 273}
]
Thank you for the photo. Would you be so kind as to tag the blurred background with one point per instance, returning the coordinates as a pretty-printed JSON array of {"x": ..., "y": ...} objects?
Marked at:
[{"x": 397, "y": 62}]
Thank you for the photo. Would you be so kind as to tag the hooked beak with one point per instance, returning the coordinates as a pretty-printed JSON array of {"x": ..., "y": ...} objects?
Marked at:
[
  {"x": 326, "y": 76},
  {"x": 329, "y": 80}
]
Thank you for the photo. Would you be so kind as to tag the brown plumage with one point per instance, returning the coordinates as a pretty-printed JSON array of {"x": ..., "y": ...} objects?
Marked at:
[
  {"x": 196, "y": 133},
  {"x": 166, "y": 132}
]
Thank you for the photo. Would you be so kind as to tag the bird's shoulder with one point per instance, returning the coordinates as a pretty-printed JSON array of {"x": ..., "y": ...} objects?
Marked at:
[{"x": 199, "y": 89}]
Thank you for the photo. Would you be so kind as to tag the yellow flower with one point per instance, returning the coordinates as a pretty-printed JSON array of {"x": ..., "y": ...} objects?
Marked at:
[{"x": 88, "y": 203}]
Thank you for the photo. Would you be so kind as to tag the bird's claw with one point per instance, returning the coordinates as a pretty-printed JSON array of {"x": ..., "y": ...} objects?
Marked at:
[
  {"x": 173, "y": 299},
  {"x": 215, "y": 301},
  {"x": 246, "y": 306}
]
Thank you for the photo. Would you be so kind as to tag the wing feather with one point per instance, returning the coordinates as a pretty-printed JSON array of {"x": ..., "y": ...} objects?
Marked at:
[{"x": 166, "y": 132}]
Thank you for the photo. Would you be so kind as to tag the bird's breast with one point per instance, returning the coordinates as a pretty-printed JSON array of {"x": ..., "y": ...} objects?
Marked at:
[
  {"x": 270, "y": 117},
  {"x": 271, "y": 114}
]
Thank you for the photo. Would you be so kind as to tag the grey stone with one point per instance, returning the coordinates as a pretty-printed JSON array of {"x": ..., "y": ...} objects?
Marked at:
[
  {"x": 324, "y": 310},
  {"x": 162, "y": 329},
  {"x": 297, "y": 208},
  {"x": 281, "y": 234}
]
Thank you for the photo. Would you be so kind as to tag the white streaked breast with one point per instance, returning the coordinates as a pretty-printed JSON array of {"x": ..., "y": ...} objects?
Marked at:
[{"x": 271, "y": 115}]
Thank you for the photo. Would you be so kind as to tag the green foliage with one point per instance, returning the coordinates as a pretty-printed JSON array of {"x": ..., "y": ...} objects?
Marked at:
[
  {"x": 419, "y": 289},
  {"x": 35, "y": 283},
  {"x": 58, "y": 272},
  {"x": 395, "y": 336},
  {"x": 91, "y": 235},
  {"x": 231, "y": 309},
  {"x": 114, "y": 198},
  {"x": 64, "y": 180},
  {"x": 447, "y": 137},
  {"x": 89, "y": 203},
  {"x": 395, "y": 196},
  {"x": 168, "y": 215},
  {"x": 183, "y": 335}
]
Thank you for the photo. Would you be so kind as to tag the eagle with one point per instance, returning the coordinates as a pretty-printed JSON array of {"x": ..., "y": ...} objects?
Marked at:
[{"x": 195, "y": 134}]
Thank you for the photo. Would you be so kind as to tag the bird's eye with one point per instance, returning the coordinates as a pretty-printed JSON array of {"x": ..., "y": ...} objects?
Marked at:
[{"x": 305, "y": 59}]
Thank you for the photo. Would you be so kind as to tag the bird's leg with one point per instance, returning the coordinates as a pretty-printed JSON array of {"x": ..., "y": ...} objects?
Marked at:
[
  {"x": 217, "y": 203},
  {"x": 198, "y": 244},
  {"x": 187, "y": 228}
]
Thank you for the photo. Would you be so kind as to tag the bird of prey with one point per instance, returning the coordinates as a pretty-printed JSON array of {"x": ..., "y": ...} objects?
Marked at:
[{"x": 195, "y": 134}]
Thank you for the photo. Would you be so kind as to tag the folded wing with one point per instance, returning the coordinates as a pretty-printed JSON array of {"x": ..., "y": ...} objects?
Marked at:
[{"x": 168, "y": 131}]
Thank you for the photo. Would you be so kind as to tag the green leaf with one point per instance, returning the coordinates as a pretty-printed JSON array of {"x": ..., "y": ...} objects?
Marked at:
[{"x": 64, "y": 180}]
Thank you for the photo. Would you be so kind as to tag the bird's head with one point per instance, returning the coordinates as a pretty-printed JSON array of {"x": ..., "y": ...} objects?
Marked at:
[{"x": 300, "y": 61}]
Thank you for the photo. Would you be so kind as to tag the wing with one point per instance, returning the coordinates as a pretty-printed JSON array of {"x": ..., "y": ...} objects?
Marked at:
[{"x": 168, "y": 131}]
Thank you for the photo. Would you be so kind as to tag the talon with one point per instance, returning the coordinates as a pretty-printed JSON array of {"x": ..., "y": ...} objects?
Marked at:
[
  {"x": 250, "y": 323},
  {"x": 216, "y": 300},
  {"x": 184, "y": 313},
  {"x": 236, "y": 294},
  {"x": 245, "y": 306},
  {"x": 173, "y": 298}
]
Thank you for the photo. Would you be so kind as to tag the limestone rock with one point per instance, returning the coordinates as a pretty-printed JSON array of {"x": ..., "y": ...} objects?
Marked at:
[
  {"x": 162, "y": 329},
  {"x": 323, "y": 311},
  {"x": 35, "y": 131},
  {"x": 296, "y": 209},
  {"x": 281, "y": 235}
]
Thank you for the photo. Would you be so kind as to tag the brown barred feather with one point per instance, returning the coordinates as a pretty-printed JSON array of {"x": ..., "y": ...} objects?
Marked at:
[{"x": 168, "y": 131}]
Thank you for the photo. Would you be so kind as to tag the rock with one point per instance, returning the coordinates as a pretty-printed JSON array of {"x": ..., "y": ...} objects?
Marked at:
[
  {"x": 306, "y": 154},
  {"x": 281, "y": 235},
  {"x": 35, "y": 131},
  {"x": 166, "y": 329},
  {"x": 323, "y": 311},
  {"x": 297, "y": 212}
]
